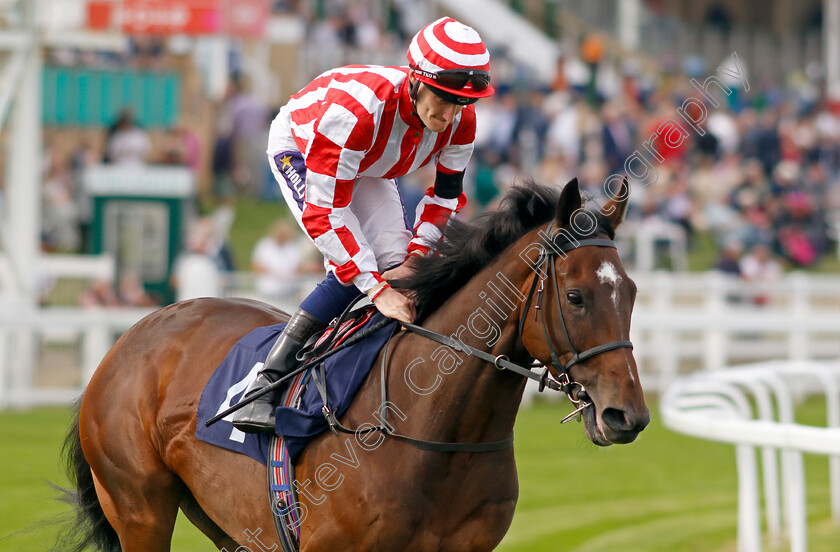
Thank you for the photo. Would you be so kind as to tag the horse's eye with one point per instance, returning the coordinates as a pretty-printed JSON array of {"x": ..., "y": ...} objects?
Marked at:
[{"x": 574, "y": 298}]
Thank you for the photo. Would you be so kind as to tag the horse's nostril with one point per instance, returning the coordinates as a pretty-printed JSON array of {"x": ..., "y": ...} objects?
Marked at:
[
  {"x": 616, "y": 419},
  {"x": 619, "y": 420}
]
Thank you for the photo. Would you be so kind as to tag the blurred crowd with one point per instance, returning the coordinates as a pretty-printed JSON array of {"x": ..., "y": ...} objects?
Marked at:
[
  {"x": 763, "y": 180},
  {"x": 765, "y": 172},
  {"x": 763, "y": 176}
]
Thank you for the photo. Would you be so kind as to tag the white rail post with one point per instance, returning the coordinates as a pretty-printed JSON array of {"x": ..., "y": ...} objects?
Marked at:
[
  {"x": 769, "y": 466},
  {"x": 832, "y": 404},
  {"x": 799, "y": 308},
  {"x": 664, "y": 340},
  {"x": 5, "y": 391},
  {"x": 23, "y": 364},
  {"x": 22, "y": 230},
  {"x": 696, "y": 406},
  {"x": 793, "y": 473},
  {"x": 749, "y": 517},
  {"x": 715, "y": 338},
  {"x": 831, "y": 46},
  {"x": 95, "y": 345}
]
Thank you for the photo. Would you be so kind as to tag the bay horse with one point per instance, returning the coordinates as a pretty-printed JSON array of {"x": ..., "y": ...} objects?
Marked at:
[{"x": 135, "y": 461}]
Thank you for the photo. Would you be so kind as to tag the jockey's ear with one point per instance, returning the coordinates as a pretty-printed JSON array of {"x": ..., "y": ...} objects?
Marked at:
[
  {"x": 616, "y": 208},
  {"x": 568, "y": 203},
  {"x": 414, "y": 85}
]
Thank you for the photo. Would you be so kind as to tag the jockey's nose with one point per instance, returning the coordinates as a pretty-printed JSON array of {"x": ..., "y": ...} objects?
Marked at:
[{"x": 449, "y": 112}]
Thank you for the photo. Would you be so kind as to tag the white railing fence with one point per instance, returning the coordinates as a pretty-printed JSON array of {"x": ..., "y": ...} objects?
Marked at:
[
  {"x": 47, "y": 355},
  {"x": 245, "y": 284},
  {"x": 754, "y": 408},
  {"x": 682, "y": 322},
  {"x": 690, "y": 321},
  {"x": 49, "y": 352}
]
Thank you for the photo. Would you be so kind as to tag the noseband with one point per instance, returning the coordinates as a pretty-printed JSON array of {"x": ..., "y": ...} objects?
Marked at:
[{"x": 546, "y": 269}]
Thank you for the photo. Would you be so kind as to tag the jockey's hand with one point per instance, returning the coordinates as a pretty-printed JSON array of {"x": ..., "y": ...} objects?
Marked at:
[
  {"x": 399, "y": 272},
  {"x": 393, "y": 304}
]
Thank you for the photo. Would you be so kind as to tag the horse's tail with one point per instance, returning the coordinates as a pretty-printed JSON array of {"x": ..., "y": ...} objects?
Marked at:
[{"x": 90, "y": 529}]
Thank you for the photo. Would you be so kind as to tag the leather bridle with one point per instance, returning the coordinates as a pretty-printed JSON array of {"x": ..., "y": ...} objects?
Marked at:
[{"x": 546, "y": 269}]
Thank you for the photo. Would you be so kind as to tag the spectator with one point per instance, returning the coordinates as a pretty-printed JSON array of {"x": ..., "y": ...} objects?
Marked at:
[
  {"x": 197, "y": 270},
  {"x": 249, "y": 132},
  {"x": 618, "y": 138},
  {"x": 181, "y": 147},
  {"x": 277, "y": 259},
  {"x": 61, "y": 228},
  {"x": 128, "y": 144},
  {"x": 760, "y": 268},
  {"x": 100, "y": 293},
  {"x": 131, "y": 292},
  {"x": 221, "y": 164},
  {"x": 83, "y": 157},
  {"x": 729, "y": 261}
]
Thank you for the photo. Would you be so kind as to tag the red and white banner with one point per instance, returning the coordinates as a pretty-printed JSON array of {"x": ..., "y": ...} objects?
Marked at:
[{"x": 165, "y": 17}]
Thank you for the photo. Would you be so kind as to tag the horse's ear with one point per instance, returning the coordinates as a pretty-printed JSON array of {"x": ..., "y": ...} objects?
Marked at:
[
  {"x": 616, "y": 208},
  {"x": 568, "y": 203}
]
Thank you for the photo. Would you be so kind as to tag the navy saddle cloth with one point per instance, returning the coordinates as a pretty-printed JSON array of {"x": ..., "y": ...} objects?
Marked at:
[{"x": 345, "y": 372}]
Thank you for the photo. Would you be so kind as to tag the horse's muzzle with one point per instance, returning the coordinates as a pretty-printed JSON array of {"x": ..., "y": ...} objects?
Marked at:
[{"x": 622, "y": 426}]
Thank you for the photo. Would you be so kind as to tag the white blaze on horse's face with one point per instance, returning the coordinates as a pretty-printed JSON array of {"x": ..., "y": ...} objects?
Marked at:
[{"x": 607, "y": 274}]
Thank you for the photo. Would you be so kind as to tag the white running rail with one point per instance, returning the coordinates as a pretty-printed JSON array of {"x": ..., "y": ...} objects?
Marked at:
[
  {"x": 753, "y": 407},
  {"x": 29, "y": 375},
  {"x": 683, "y": 322}
]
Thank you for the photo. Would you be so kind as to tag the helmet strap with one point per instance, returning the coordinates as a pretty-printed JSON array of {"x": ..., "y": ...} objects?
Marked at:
[{"x": 412, "y": 93}]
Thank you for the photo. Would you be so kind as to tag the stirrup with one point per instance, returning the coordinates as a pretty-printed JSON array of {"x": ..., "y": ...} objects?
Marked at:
[{"x": 258, "y": 415}]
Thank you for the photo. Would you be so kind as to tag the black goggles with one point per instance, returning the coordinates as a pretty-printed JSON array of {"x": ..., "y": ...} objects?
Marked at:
[
  {"x": 456, "y": 79},
  {"x": 449, "y": 96}
]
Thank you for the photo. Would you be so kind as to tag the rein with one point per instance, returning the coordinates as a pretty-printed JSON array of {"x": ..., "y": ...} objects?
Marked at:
[{"x": 564, "y": 382}]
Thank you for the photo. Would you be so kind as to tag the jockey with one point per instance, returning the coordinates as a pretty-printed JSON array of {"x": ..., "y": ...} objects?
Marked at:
[{"x": 336, "y": 149}]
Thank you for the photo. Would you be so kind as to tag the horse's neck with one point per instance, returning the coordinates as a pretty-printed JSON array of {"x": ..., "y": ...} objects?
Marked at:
[{"x": 472, "y": 400}]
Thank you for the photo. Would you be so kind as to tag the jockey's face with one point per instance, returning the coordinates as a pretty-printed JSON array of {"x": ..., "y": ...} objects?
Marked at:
[{"x": 436, "y": 113}]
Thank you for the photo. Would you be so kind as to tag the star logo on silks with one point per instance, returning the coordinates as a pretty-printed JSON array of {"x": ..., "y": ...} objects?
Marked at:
[{"x": 286, "y": 160}]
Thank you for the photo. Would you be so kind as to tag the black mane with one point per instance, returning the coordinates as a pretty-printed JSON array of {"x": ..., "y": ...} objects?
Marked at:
[{"x": 468, "y": 247}]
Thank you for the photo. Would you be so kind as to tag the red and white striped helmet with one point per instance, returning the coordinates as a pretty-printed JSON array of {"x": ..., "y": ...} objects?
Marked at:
[{"x": 450, "y": 57}]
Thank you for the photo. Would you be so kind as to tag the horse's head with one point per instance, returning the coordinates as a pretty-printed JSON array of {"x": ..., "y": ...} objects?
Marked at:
[{"x": 577, "y": 321}]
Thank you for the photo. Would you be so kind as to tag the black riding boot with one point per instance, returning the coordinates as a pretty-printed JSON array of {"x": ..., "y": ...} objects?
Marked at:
[{"x": 259, "y": 414}]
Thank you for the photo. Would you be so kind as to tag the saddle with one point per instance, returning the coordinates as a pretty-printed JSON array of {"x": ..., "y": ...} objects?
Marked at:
[
  {"x": 301, "y": 407},
  {"x": 336, "y": 332},
  {"x": 288, "y": 512}
]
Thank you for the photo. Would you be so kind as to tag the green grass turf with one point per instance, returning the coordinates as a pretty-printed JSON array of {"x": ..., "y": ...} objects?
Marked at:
[{"x": 665, "y": 492}]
